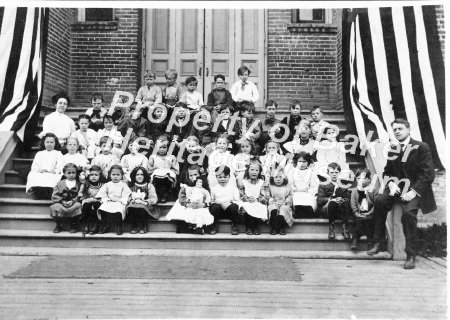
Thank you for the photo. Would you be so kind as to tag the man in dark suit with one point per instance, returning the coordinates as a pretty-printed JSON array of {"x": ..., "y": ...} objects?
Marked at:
[{"x": 409, "y": 173}]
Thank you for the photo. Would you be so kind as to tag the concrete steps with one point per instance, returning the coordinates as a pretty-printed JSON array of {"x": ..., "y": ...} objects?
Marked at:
[{"x": 170, "y": 240}]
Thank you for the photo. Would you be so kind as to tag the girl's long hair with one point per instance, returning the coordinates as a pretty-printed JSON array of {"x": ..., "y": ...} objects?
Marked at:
[
  {"x": 247, "y": 167},
  {"x": 51, "y": 135}
]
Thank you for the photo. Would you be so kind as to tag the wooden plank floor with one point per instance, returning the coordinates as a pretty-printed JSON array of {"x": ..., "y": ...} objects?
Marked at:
[{"x": 329, "y": 289}]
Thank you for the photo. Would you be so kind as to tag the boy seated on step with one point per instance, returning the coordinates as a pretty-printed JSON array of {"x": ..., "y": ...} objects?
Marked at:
[
  {"x": 217, "y": 97},
  {"x": 244, "y": 89},
  {"x": 192, "y": 98},
  {"x": 362, "y": 200},
  {"x": 96, "y": 112},
  {"x": 333, "y": 200},
  {"x": 172, "y": 92},
  {"x": 318, "y": 125}
]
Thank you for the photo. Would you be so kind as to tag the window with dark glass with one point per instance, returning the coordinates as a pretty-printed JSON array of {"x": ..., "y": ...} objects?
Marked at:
[
  {"x": 98, "y": 14},
  {"x": 308, "y": 15}
]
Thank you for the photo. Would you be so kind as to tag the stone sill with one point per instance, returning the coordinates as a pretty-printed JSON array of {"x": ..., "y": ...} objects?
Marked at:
[
  {"x": 312, "y": 28},
  {"x": 95, "y": 26}
]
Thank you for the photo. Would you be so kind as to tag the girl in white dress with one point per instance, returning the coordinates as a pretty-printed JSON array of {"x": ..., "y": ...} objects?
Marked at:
[
  {"x": 242, "y": 159},
  {"x": 105, "y": 159},
  {"x": 329, "y": 150},
  {"x": 164, "y": 170},
  {"x": 218, "y": 158},
  {"x": 114, "y": 196},
  {"x": 133, "y": 160},
  {"x": 72, "y": 156},
  {"x": 46, "y": 169},
  {"x": 280, "y": 203},
  {"x": 86, "y": 137},
  {"x": 190, "y": 211},
  {"x": 272, "y": 159},
  {"x": 254, "y": 197},
  {"x": 301, "y": 176},
  {"x": 110, "y": 130}
]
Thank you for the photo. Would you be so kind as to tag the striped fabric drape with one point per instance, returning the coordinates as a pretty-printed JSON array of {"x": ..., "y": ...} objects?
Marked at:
[
  {"x": 21, "y": 44},
  {"x": 393, "y": 68}
]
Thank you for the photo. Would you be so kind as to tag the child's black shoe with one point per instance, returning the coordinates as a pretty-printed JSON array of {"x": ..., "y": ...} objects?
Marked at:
[
  {"x": 119, "y": 230},
  {"x": 58, "y": 228},
  {"x": 282, "y": 232},
  {"x": 234, "y": 230},
  {"x": 256, "y": 231},
  {"x": 273, "y": 231},
  {"x": 249, "y": 231}
]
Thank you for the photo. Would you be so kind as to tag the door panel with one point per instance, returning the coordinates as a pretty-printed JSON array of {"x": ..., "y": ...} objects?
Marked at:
[{"x": 204, "y": 43}]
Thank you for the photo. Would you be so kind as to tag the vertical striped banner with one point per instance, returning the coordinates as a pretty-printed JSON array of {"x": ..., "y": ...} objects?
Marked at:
[
  {"x": 21, "y": 59},
  {"x": 393, "y": 68}
]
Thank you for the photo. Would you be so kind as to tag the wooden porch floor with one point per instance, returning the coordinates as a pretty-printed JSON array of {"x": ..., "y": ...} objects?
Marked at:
[{"x": 329, "y": 288}]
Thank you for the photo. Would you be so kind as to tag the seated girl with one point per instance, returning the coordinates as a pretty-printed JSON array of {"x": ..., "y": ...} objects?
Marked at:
[
  {"x": 86, "y": 137},
  {"x": 220, "y": 157},
  {"x": 190, "y": 211},
  {"x": 65, "y": 204},
  {"x": 272, "y": 158},
  {"x": 114, "y": 196},
  {"x": 304, "y": 182},
  {"x": 242, "y": 159},
  {"x": 89, "y": 204},
  {"x": 73, "y": 156},
  {"x": 301, "y": 140},
  {"x": 253, "y": 193},
  {"x": 164, "y": 170},
  {"x": 280, "y": 203},
  {"x": 105, "y": 159},
  {"x": 46, "y": 169},
  {"x": 143, "y": 198},
  {"x": 193, "y": 154},
  {"x": 133, "y": 160}
]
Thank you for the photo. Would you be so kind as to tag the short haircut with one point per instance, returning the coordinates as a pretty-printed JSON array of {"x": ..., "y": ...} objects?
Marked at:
[
  {"x": 171, "y": 72},
  {"x": 108, "y": 117},
  {"x": 271, "y": 103},
  {"x": 317, "y": 108},
  {"x": 223, "y": 169},
  {"x": 219, "y": 76},
  {"x": 295, "y": 103},
  {"x": 190, "y": 80},
  {"x": 192, "y": 138},
  {"x": 135, "y": 171},
  {"x": 104, "y": 140},
  {"x": 180, "y": 104},
  {"x": 114, "y": 167},
  {"x": 69, "y": 166},
  {"x": 72, "y": 138},
  {"x": 223, "y": 136},
  {"x": 363, "y": 170},
  {"x": 242, "y": 70},
  {"x": 334, "y": 166},
  {"x": 149, "y": 74},
  {"x": 84, "y": 116},
  {"x": 96, "y": 96},
  {"x": 247, "y": 106},
  {"x": 163, "y": 137},
  {"x": 49, "y": 135},
  {"x": 272, "y": 141},
  {"x": 401, "y": 121},
  {"x": 304, "y": 155}
]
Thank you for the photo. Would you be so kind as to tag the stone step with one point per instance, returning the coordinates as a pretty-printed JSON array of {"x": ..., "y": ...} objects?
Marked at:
[
  {"x": 13, "y": 177},
  {"x": 169, "y": 240},
  {"x": 43, "y": 221},
  {"x": 11, "y": 190}
]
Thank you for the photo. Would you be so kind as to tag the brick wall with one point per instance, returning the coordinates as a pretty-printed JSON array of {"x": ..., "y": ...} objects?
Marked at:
[
  {"x": 105, "y": 51},
  {"x": 57, "y": 67},
  {"x": 302, "y": 64},
  {"x": 337, "y": 19}
]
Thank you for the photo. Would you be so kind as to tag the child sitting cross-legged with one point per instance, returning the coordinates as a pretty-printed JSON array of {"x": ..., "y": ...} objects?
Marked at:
[
  {"x": 65, "y": 199},
  {"x": 190, "y": 211},
  {"x": 94, "y": 180},
  {"x": 280, "y": 202},
  {"x": 224, "y": 200},
  {"x": 143, "y": 198},
  {"x": 114, "y": 196},
  {"x": 333, "y": 200},
  {"x": 362, "y": 205},
  {"x": 253, "y": 193}
]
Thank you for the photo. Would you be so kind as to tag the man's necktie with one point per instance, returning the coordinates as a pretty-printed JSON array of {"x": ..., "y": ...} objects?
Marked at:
[{"x": 243, "y": 86}]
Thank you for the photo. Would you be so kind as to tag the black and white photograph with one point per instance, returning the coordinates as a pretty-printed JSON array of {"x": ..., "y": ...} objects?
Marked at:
[{"x": 223, "y": 159}]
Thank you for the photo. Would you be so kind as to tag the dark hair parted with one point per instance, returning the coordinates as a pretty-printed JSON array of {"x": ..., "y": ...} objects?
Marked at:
[
  {"x": 191, "y": 80},
  {"x": 219, "y": 76},
  {"x": 304, "y": 155},
  {"x": 144, "y": 172},
  {"x": 96, "y": 96},
  {"x": 60, "y": 95},
  {"x": 115, "y": 167},
  {"x": 401, "y": 121},
  {"x": 271, "y": 103},
  {"x": 242, "y": 70},
  {"x": 247, "y": 106},
  {"x": 334, "y": 166},
  {"x": 223, "y": 169},
  {"x": 295, "y": 103},
  {"x": 49, "y": 135},
  {"x": 84, "y": 116},
  {"x": 364, "y": 170}
]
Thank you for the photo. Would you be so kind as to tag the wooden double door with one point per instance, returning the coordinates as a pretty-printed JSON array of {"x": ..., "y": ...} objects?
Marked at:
[{"x": 204, "y": 43}]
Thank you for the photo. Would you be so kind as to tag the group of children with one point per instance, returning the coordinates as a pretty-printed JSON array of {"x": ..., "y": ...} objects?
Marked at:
[{"x": 221, "y": 167}]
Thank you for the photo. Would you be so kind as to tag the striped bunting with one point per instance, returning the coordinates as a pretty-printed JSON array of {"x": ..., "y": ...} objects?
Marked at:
[
  {"x": 393, "y": 68},
  {"x": 21, "y": 43}
]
